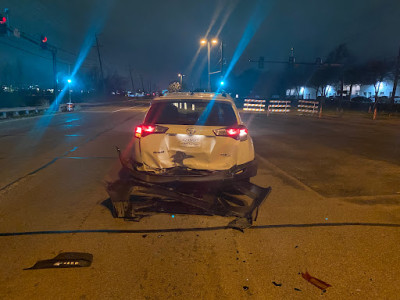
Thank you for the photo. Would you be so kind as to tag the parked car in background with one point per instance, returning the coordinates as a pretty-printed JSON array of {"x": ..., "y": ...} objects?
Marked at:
[{"x": 361, "y": 99}]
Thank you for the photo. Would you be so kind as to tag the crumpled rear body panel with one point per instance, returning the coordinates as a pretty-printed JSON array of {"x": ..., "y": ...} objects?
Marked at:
[{"x": 202, "y": 150}]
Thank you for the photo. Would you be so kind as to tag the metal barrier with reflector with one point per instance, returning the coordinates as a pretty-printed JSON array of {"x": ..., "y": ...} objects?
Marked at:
[
  {"x": 308, "y": 106},
  {"x": 279, "y": 106},
  {"x": 254, "y": 105}
]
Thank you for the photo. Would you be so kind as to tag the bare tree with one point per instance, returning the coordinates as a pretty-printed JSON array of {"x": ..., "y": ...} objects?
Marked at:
[
  {"x": 374, "y": 73},
  {"x": 174, "y": 87}
]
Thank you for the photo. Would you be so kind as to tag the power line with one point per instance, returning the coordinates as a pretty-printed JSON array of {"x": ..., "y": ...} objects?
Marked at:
[
  {"x": 27, "y": 51},
  {"x": 74, "y": 54},
  {"x": 41, "y": 56}
]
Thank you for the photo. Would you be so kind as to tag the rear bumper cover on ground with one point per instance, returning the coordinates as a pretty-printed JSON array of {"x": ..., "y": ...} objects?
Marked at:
[{"x": 179, "y": 174}]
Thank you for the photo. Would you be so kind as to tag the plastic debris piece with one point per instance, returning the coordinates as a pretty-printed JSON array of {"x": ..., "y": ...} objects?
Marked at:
[
  {"x": 240, "y": 224},
  {"x": 65, "y": 260},
  {"x": 298, "y": 290},
  {"x": 276, "y": 284},
  {"x": 315, "y": 281},
  {"x": 245, "y": 288}
]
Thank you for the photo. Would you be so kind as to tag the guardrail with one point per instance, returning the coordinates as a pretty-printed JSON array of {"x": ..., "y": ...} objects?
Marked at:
[
  {"x": 26, "y": 110},
  {"x": 17, "y": 111}
]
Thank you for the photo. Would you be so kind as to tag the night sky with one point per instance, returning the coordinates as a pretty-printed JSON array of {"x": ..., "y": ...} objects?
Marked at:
[{"x": 159, "y": 39}]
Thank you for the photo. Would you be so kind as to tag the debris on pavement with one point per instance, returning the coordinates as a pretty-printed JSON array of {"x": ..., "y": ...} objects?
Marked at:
[
  {"x": 65, "y": 260},
  {"x": 144, "y": 235},
  {"x": 240, "y": 224},
  {"x": 315, "y": 281},
  {"x": 276, "y": 284},
  {"x": 245, "y": 288},
  {"x": 298, "y": 290}
]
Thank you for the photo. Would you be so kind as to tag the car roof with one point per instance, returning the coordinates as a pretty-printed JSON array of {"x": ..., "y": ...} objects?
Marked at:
[{"x": 195, "y": 96}]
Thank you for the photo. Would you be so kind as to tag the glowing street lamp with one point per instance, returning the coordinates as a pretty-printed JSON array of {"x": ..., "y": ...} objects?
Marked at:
[
  {"x": 181, "y": 78},
  {"x": 213, "y": 42}
]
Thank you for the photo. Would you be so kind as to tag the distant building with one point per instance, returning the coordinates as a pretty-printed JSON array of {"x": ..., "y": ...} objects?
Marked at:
[{"x": 368, "y": 91}]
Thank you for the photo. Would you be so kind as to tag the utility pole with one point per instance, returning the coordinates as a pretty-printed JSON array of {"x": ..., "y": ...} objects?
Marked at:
[
  {"x": 100, "y": 62},
  {"x": 54, "y": 54},
  {"x": 396, "y": 78},
  {"x": 141, "y": 79},
  {"x": 130, "y": 74}
]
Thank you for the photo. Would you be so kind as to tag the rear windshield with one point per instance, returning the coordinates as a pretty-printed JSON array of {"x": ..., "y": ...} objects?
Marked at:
[{"x": 191, "y": 112}]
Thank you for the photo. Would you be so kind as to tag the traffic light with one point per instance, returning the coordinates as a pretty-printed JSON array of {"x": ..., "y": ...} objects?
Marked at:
[
  {"x": 261, "y": 62},
  {"x": 3, "y": 25},
  {"x": 43, "y": 41}
]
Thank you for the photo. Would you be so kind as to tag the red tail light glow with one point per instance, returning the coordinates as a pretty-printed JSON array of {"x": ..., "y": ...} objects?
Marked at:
[
  {"x": 238, "y": 133},
  {"x": 144, "y": 130}
]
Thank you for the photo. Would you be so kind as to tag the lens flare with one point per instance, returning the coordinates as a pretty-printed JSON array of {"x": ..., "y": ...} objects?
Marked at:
[
  {"x": 254, "y": 23},
  {"x": 99, "y": 16}
]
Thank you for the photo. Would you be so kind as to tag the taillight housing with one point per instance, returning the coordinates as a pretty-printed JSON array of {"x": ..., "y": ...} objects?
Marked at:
[
  {"x": 239, "y": 132},
  {"x": 145, "y": 130}
]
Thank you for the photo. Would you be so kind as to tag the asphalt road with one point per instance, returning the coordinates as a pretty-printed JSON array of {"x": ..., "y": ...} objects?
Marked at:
[{"x": 334, "y": 212}]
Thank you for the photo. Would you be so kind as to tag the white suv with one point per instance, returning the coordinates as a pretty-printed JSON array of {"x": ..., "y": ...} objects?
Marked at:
[{"x": 192, "y": 137}]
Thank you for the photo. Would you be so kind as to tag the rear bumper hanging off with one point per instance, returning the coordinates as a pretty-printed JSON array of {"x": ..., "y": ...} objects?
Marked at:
[
  {"x": 219, "y": 200},
  {"x": 213, "y": 193},
  {"x": 181, "y": 174}
]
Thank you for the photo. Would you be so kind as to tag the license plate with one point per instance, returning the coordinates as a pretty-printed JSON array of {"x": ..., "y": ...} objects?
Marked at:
[{"x": 191, "y": 142}]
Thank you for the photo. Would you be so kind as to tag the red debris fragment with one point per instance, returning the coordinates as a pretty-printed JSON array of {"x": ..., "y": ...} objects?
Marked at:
[{"x": 315, "y": 281}]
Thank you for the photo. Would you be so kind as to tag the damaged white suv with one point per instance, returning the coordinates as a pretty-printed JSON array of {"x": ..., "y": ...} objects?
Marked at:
[{"x": 193, "y": 137}]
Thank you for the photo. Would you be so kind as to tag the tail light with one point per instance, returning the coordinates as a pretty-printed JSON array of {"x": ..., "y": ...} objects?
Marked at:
[
  {"x": 145, "y": 130},
  {"x": 238, "y": 133}
]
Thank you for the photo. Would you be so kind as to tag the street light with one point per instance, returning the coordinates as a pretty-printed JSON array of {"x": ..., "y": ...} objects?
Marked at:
[
  {"x": 69, "y": 80},
  {"x": 181, "y": 78},
  {"x": 203, "y": 42}
]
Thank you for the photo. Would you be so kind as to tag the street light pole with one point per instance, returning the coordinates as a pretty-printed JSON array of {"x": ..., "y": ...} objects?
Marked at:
[
  {"x": 209, "y": 43},
  {"x": 209, "y": 68},
  {"x": 181, "y": 80},
  {"x": 69, "y": 83},
  {"x": 69, "y": 90}
]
